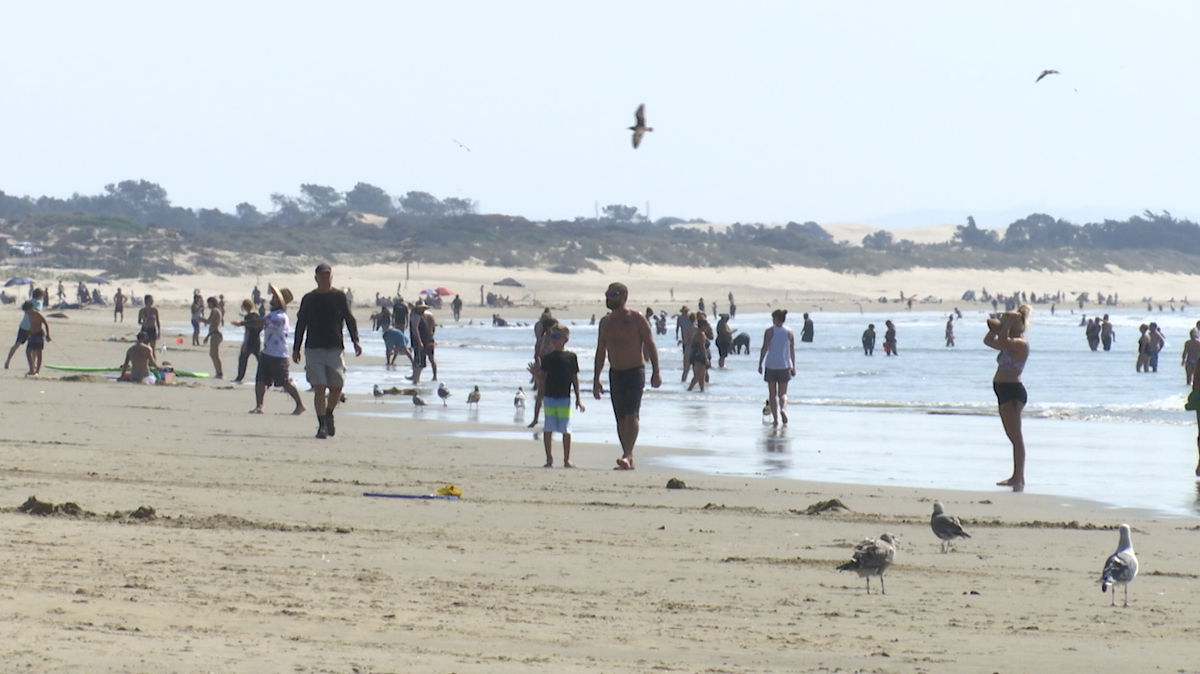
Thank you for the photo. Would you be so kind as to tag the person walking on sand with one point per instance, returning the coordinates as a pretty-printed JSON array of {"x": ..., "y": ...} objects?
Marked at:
[
  {"x": 698, "y": 351},
  {"x": 119, "y": 305},
  {"x": 197, "y": 310},
  {"x": 39, "y": 334},
  {"x": 252, "y": 325},
  {"x": 624, "y": 337},
  {"x": 322, "y": 313},
  {"x": 1006, "y": 334},
  {"x": 868, "y": 340},
  {"x": 214, "y": 337},
  {"x": 273, "y": 362},
  {"x": 778, "y": 355},
  {"x": 560, "y": 376},
  {"x": 148, "y": 318},
  {"x": 23, "y": 326}
]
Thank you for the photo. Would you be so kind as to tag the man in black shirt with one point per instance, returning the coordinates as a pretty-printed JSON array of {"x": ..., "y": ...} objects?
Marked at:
[{"x": 322, "y": 314}]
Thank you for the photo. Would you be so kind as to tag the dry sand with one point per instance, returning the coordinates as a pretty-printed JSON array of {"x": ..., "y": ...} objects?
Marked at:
[{"x": 264, "y": 556}]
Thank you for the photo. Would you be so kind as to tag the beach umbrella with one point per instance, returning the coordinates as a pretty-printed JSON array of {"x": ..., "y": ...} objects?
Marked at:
[
  {"x": 443, "y": 290},
  {"x": 18, "y": 281},
  {"x": 429, "y": 291},
  {"x": 509, "y": 281}
]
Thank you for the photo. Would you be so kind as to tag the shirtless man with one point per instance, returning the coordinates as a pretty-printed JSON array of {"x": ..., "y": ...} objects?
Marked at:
[
  {"x": 119, "y": 305},
  {"x": 624, "y": 337},
  {"x": 148, "y": 319},
  {"x": 39, "y": 334},
  {"x": 139, "y": 359}
]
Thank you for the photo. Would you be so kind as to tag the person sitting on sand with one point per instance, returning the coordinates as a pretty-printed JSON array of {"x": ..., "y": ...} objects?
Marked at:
[
  {"x": 273, "y": 363},
  {"x": 559, "y": 377},
  {"x": 148, "y": 318},
  {"x": 1006, "y": 334},
  {"x": 39, "y": 334},
  {"x": 138, "y": 360}
]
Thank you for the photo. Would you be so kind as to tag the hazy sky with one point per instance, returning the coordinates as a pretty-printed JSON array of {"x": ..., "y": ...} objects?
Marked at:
[{"x": 886, "y": 113}]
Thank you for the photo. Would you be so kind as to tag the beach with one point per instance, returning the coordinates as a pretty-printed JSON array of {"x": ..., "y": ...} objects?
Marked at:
[{"x": 264, "y": 555}]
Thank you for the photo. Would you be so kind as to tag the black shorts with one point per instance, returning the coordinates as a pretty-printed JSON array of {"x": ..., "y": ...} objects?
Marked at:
[
  {"x": 777, "y": 375},
  {"x": 37, "y": 341},
  {"x": 1010, "y": 391},
  {"x": 272, "y": 371},
  {"x": 22, "y": 335},
  {"x": 625, "y": 389},
  {"x": 151, "y": 333}
]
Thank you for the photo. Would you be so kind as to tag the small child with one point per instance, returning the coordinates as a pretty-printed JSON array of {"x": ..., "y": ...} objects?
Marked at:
[
  {"x": 39, "y": 334},
  {"x": 560, "y": 369},
  {"x": 139, "y": 359}
]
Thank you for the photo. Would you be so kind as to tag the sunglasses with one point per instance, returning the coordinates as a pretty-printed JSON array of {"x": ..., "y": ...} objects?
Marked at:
[
  {"x": 612, "y": 293},
  {"x": 555, "y": 335}
]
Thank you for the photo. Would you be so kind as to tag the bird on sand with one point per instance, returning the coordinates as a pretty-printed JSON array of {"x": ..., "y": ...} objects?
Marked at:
[
  {"x": 872, "y": 557},
  {"x": 418, "y": 400},
  {"x": 1044, "y": 73},
  {"x": 766, "y": 411},
  {"x": 1121, "y": 567},
  {"x": 639, "y": 127},
  {"x": 473, "y": 397},
  {"x": 519, "y": 399},
  {"x": 443, "y": 392},
  {"x": 946, "y": 527},
  {"x": 377, "y": 392}
]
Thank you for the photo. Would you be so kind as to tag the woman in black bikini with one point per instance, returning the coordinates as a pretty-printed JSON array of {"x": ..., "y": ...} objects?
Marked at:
[{"x": 1006, "y": 334}]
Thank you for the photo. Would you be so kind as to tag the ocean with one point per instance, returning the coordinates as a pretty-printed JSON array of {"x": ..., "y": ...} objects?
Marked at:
[{"x": 1094, "y": 428}]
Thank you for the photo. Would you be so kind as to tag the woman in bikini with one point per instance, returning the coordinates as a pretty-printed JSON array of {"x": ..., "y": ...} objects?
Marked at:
[{"x": 1006, "y": 334}]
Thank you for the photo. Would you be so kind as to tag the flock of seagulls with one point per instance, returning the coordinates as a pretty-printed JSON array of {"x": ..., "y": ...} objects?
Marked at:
[
  {"x": 874, "y": 556},
  {"x": 444, "y": 393}
]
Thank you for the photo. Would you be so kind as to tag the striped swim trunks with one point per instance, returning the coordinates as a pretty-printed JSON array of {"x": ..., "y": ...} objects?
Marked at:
[{"x": 557, "y": 415}]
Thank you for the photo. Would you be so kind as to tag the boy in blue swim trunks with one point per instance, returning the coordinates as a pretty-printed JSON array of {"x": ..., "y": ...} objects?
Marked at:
[{"x": 560, "y": 369}]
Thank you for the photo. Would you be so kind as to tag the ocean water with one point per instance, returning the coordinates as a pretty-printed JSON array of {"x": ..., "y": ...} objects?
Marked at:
[{"x": 1094, "y": 428}]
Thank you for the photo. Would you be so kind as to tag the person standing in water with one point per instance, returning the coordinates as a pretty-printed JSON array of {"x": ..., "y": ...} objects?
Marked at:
[
  {"x": 1006, "y": 334},
  {"x": 778, "y": 355},
  {"x": 868, "y": 340}
]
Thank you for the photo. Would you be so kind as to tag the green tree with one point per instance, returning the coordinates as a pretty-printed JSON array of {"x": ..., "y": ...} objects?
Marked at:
[
  {"x": 971, "y": 236},
  {"x": 320, "y": 198},
  {"x": 287, "y": 209},
  {"x": 422, "y": 204},
  {"x": 879, "y": 240},
  {"x": 456, "y": 206},
  {"x": 619, "y": 213},
  {"x": 367, "y": 198},
  {"x": 141, "y": 196},
  {"x": 249, "y": 214}
]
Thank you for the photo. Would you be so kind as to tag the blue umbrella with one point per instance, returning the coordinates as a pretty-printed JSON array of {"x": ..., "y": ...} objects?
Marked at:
[{"x": 18, "y": 281}]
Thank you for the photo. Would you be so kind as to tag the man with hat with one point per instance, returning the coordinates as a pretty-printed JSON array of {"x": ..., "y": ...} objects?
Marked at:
[
  {"x": 273, "y": 362},
  {"x": 322, "y": 313},
  {"x": 421, "y": 327}
]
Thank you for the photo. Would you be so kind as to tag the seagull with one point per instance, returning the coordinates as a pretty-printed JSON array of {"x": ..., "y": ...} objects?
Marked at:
[
  {"x": 460, "y": 144},
  {"x": 766, "y": 411},
  {"x": 1120, "y": 567},
  {"x": 872, "y": 558},
  {"x": 418, "y": 400},
  {"x": 946, "y": 527},
  {"x": 377, "y": 392},
  {"x": 1044, "y": 73},
  {"x": 443, "y": 393},
  {"x": 519, "y": 399},
  {"x": 639, "y": 127},
  {"x": 473, "y": 397}
]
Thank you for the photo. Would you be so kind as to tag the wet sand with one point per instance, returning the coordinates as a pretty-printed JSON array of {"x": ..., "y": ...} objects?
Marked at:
[{"x": 263, "y": 555}]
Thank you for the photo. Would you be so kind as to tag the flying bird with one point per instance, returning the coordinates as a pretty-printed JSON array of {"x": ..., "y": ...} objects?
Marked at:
[
  {"x": 473, "y": 397},
  {"x": 1121, "y": 567},
  {"x": 1044, "y": 73},
  {"x": 872, "y": 558},
  {"x": 946, "y": 527},
  {"x": 418, "y": 400},
  {"x": 443, "y": 393},
  {"x": 519, "y": 399},
  {"x": 460, "y": 144},
  {"x": 639, "y": 127}
]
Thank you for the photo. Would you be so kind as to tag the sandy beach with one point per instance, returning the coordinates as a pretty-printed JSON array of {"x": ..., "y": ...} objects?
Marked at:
[{"x": 263, "y": 555}]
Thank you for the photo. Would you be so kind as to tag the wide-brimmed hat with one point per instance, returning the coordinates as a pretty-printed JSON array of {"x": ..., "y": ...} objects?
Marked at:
[
  {"x": 281, "y": 295},
  {"x": 419, "y": 304}
]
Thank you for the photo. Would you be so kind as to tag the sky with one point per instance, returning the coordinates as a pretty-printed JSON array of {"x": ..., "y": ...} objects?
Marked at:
[{"x": 875, "y": 112}]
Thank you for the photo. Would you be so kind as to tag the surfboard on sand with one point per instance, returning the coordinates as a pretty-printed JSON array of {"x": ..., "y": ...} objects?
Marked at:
[{"x": 86, "y": 368}]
